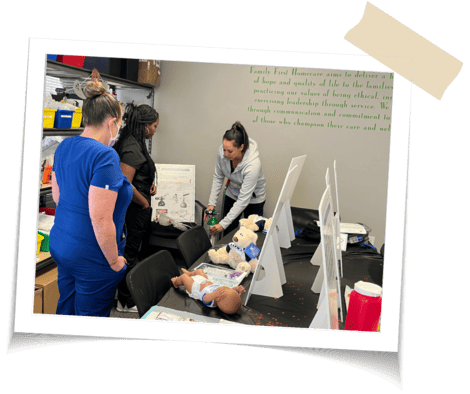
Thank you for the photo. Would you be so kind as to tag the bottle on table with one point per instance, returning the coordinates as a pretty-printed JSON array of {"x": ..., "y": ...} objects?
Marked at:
[{"x": 365, "y": 307}]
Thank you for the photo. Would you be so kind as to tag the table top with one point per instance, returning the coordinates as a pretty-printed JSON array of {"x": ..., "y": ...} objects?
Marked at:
[
  {"x": 177, "y": 299},
  {"x": 298, "y": 304}
]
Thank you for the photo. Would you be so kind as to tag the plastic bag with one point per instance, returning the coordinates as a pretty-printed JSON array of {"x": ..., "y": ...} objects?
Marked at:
[
  {"x": 45, "y": 222},
  {"x": 48, "y": 142}
]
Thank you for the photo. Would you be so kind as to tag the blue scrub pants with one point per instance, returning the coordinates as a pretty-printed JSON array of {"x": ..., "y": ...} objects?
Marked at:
[{"x": 87, "y": 288}]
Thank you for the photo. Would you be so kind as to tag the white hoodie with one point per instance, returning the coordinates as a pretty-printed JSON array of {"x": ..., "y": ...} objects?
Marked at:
[{"x": 247, "y": 182}]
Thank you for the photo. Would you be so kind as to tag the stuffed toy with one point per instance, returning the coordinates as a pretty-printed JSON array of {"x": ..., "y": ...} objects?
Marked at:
[
  {"x": 165, "y": 220},
  {"x": 267, "y": 225},
  {"x": 244, "y": 267},
  {"x": 242, "y": 249},
  {"x": 256, "y": 223}
]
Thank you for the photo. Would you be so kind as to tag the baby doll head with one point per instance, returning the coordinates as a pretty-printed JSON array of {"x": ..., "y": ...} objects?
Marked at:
[{"x": 228, "y": 300}]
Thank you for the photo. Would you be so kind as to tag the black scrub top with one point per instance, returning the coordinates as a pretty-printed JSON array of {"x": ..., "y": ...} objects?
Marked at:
[{"x": 132, "y": 155}]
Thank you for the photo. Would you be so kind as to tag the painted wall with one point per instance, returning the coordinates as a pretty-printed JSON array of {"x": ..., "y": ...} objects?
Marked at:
[{"x": 198, "y": 102}]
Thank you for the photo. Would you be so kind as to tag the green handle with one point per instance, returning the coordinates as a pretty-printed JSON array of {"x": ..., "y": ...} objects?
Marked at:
[{"x": 213, "y": 221}]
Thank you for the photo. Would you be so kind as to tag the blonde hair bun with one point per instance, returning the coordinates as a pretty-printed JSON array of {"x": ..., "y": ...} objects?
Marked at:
[{"x": 94, "y": 88}]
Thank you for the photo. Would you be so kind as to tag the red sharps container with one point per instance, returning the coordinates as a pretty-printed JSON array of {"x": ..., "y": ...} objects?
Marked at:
[{"x": 365, "y": 306}]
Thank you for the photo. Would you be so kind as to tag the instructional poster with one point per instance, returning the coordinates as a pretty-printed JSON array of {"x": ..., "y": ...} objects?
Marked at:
[{"x": 175, "y": 192}]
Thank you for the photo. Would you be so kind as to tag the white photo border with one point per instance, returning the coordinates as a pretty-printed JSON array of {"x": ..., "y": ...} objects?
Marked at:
[{"x": 26, "y": 321}]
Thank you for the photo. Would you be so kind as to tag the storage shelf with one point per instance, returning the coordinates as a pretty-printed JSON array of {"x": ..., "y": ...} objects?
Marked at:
[
  {"x": 62, "y": 132},
  {"x": 46, "y": 261},
  {"x": 67, "y": 72},
  {"x": 45, "y": 190}
]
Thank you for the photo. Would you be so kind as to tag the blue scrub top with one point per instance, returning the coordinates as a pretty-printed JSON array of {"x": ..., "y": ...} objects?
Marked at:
[{"x": 80, "y": 162}]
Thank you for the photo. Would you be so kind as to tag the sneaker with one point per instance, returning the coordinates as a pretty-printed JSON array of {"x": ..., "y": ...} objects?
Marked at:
[{"x": 125, "y": 309}]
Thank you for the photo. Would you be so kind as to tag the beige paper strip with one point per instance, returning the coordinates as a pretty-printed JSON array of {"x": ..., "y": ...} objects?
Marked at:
[{"x": 404, "y": 51}]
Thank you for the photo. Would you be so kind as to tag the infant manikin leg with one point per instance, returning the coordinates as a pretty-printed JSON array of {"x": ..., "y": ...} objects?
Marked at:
[{"x": 185, "y": 280}]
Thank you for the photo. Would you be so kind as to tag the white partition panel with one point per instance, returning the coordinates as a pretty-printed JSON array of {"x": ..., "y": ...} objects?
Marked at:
[
  {"x": 285, "y": 223},
  {"x": 317, "y": 256},
  {"x": 269, "y": 275},
  {"x": 322, "y": 317},
  {"x": 335, "y": 227},
  {"x": 338, "y": 224},
  {"x": 329, "y": 264},
  {"x": 284, "y": 226},
  {"x": 288, "y": 213},
  {"x": 317, "y": 260}
]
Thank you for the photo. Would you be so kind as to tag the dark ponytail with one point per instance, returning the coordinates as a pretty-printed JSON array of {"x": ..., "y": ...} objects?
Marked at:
[
  {"x": 135, "y": 120},
  {"x": 238, "y": 134}
]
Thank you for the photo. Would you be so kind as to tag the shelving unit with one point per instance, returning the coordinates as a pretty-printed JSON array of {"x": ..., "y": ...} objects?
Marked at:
[
  {"x": 45, "y": 260},
  {"x": 45, "y": 189},
  {"x": 62, "y": 132},
  {"x": 67, "y": 75}
]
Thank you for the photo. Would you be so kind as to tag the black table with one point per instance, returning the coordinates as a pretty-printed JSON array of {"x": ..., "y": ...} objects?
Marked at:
[{"x": 298, "y": 305}]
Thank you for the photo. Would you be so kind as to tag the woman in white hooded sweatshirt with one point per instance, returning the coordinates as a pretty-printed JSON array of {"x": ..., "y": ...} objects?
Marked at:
[{"x": 238, "y": 161}]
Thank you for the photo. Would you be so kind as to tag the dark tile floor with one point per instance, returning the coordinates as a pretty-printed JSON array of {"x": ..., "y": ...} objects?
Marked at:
[{"x": 123, "y": 315}]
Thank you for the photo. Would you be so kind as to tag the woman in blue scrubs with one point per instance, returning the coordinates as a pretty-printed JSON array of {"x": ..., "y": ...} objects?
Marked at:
[{"x": 92, "y": 195}]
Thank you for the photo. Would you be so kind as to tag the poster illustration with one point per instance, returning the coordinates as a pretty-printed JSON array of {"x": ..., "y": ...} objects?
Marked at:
[{"x": 175, "y": 192}]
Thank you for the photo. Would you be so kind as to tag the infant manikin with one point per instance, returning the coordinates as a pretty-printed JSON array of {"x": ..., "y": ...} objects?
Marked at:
[{"x": 199, "y": 287}]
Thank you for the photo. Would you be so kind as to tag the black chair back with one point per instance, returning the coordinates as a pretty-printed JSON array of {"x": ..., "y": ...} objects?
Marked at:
[
  {"x": 192, "y": 244},
  {"x": 150, "y": 279}
]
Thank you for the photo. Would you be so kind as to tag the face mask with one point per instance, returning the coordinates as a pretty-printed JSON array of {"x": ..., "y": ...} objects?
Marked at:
[{"x": 113, "y": 140}]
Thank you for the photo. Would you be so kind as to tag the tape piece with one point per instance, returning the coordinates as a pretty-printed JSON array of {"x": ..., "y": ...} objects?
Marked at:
[{"x": 404, "y": 51}]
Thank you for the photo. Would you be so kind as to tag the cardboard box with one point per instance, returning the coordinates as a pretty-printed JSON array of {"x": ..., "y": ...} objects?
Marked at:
[
  {"x": 37, "y": 299},
  {"x": 47, "y": 282},
  {"x": 149, "y": 72}
]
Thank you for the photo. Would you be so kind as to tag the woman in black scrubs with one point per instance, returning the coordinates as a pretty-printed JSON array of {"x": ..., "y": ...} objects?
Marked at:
[{"x": 136, "y": 164}]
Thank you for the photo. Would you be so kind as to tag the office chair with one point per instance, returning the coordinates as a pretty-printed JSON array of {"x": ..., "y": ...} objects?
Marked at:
[
  {"x": 150, "y": 279},
  {"x": 165, "y": 236},
  {"x": 192, "y": 244}
]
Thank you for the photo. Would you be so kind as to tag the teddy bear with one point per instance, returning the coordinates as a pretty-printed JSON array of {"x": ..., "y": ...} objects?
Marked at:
[
  {"x": 267, "y": 225},
  {"x": 256, "y": 223},
  {"x": 235, "y": 252},
  {"x": 244, "y": 267}
]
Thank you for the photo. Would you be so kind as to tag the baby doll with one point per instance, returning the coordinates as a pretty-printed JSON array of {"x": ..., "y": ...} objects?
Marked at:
[{"x": 199, "y": 287}]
